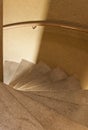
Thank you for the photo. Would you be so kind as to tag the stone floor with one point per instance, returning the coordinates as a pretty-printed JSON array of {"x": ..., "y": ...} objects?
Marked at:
[{"x": 39, "y": 98}]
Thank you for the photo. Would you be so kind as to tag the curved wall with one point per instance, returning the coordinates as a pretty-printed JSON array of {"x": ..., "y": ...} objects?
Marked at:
[{"x": 66, "y": 49}]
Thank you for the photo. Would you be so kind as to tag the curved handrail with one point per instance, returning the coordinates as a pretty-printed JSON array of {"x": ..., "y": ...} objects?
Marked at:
[{"x": 62, "y": 24}]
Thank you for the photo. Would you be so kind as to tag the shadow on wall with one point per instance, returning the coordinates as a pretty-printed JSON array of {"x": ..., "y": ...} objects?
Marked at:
[
  {"x": 68, "y": 10},
  {"x": 65, "y": 48}
]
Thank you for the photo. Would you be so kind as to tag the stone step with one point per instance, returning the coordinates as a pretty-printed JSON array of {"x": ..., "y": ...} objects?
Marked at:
[
  {"x": 9, "y": 69},
  {"x": 78, "y": 97},
  {"x": 23, "y": 68},
  {"x": 37, "y": 71},
  {"x": 53, "y": 100},
  {"x": 45, "y": 114},
  {"x": 47, "y": 79},
  {"x": 45, "y": 83},
  {"x": 75, "y": 112},
  {"x": 13, "y": 114}
]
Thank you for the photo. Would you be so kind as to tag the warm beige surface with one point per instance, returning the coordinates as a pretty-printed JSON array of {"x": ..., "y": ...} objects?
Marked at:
[
  {"x": 1, "y": 55},
  {"x": 53, "y": 100},
  {"x": 21, "y": 43},
  {"x": 43, "y": 81},
  {"x": 23, "y": 111},
  {"x": 67, "y": 87},
  {"x": 75, "y": 112},
  {"x": 13, "y": 115},
  {"x": 22, "y": 69},
  {"x": 68, "y": 49},
  {"x": 36, "y": 71},
  {"x": 75, "y": 11},
  {"x": 77, "y": 97},
  {"x": 47, "y": 84}
]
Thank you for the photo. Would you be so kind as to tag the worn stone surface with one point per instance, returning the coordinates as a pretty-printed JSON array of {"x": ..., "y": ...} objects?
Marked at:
[
  {"x": 13, "y": 115},
  {"x": 53, "y": 100},
  {"x": 36, "y": 71},
  {"x": 78, "y": 97},
  {"x": 22, "y": 69},
  {"x": 9, "y": 68},
  {"x": 46, "y": 80},
  {"x": 23, "y": 112},
  {"x": 45, "y": 83},
  {"x": 76, "y": 112}
]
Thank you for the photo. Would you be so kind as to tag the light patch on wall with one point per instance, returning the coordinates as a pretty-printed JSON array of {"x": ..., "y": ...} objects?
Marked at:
[{"x": 22, "y": 43}]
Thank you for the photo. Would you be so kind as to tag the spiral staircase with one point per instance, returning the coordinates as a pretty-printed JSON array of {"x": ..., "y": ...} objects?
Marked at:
[{"x": 37, "y": 97}]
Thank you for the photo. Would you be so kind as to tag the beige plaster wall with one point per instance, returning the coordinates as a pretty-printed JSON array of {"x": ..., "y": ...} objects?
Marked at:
[
  {"x": 58, "y": 48},
  {"x": 19, "y": 40},
  {"x": 21, "y": 10}
]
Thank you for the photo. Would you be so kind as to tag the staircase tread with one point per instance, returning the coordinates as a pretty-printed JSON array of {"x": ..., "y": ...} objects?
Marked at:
[
  {"x": 9, "y": 70},
  {"x": 22, "y": 69},
  {"x": 53, "y": 100},
  {"x": 44, "y": 83},
  {"x": 36, "y": 71},
  {"x": 75, "y": 112},
  {"x": 48, "y": 117},
  {"x": 78, "y": 97},
  {"x": 13, "y": 115},
  {"x": 46, "y": 79}
]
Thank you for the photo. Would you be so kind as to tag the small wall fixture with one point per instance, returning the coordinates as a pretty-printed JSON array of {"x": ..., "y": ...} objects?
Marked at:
[{"x": 34, "y": 27}]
